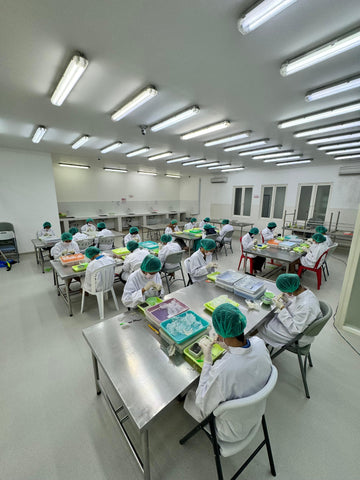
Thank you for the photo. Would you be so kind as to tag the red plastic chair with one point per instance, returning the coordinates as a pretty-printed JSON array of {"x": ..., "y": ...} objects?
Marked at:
[
  {"x": 317, "y": 269},
  {"x": 243, "y": 257}
]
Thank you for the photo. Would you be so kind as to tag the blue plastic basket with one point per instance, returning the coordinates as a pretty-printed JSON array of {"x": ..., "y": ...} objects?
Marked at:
[
  {"x": 149, "y": 244},
  {"x": 180, "y": 338}
]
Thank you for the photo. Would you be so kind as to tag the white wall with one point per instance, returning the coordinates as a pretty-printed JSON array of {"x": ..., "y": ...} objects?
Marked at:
[{"x": 27, "y": 194}]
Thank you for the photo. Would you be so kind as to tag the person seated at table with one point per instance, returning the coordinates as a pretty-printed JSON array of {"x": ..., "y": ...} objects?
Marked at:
[
  {"x": 242, "y": 371},
  {"x": 143, "y": 283},
  {"x": 67, "y": 246},
  {"x": 133, "y": 235},
  {"x": 77, "y": 235},
  {"x": 132, "y": 260},
  {"x": 321, "y": 229},
  {"x": 208, "y": 229},
  {"x": 170, "y": 229},
  {"x": 89, "y": 226},
  {"x": 200, "y": 264},
  {"x": 268, "y": 232},
  {"x": 191, "y": 224},
  {"x": 225, "y": 229},
  {"x": 202, "y": 223},
  {"x": 46, "y": 231},
  {"x": 97, "y": 260},
  {"x": 168, "y": 248},
  {"x": 315, "y": 251},
  {"x": 301, "y": 309},
  {"x": 103, "y": 231},
  {"x": 248, "y": 242}
]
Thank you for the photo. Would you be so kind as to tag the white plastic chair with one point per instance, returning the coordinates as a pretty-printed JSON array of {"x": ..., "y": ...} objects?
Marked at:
[
  {"x": 324, "y": 266},
  {"x": 106, "y": 243},
  {"x": 84, "y": 244},
  {"x": 107, "y": 276},
  {"x": 245, "y": 415}
]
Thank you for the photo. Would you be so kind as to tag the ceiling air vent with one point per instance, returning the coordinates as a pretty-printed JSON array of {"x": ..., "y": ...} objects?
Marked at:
[
  {"x": 349, "y": 169},
  {"x": 219, "y": 179}
]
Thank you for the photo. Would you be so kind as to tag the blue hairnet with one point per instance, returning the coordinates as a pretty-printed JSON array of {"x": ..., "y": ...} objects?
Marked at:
[
  {"x": 319, "y": 238},
  {"x": 46, "y": 224},
  {"x": 208, "y": 226},
  {"x": 133, "y": 230},
  {"x": 254, "y": 231},
  {"x": 101, "y": 225},
  {"x": 321, "y": 229},
  {"x": 193, "y": 220},
  {"x": 88, "y": 220},
  {"x": 208, "y": 244},
  {"x": 150, "y": 264},
  {"x": 90, "y": 252},
  {"x": 207, "y": 219},
  {"x": 166, "y": 238},
  {"x": 225, "y": 221},
  {"x": 66, "y": 236},
  {"x": 228, "y": 321},
  {"x": 132, "y": 245},
  {"x": 271, "y": 225},
  {"x": 73, "y": 230},
  {"x": 288, "y": 282},
  {"x": 173, "y": 222}
]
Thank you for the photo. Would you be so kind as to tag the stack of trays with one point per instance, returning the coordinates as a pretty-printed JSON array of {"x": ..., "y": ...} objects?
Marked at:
[
  {"x": 215, "y": 302},
  {"x": 149, "y": 245},
  {"x": 70, "y": 260},
  {"x": 249, "y": 287},
  {"x": 165, "y": 310},
  {"x": 179, "y": 331},
  {"x": 287, "y": 245},
  {"x": 227, "y": 279},
  {"x": 120, "y": 252},
  {"x": 49, "y": 239}
]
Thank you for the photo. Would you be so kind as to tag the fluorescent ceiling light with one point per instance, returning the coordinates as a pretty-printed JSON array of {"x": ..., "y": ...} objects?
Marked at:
[
  {"x": 347, "y": 157},
  {"x": 71, "y": 165},
  {"x": 328, "y": 128},
  {"x": 236, "y": 169},
  {"x": 211, "y": 164},
  {"x": 274, "y": 155},
  {"x": 313, "y": 117},
  {"x": 80, "y": 142},
  {"x": 243, "y": 146},
  {"x": 333, "y": 89},
  {"x": 179, "y": 117},
  {"x": 118, "y": 170},
  {"x": 206, "y": 130},
  {"x": 261, "y": 13},
  {"x": 274, "y": 148},
  {"x": 194, "y": 162},
  {"x": 220, "y": 166},
  {"x": 231, "y": 138},
  {"x": 39, "y": 133},
  {"x": 147, "y": 173},
  {"x": 345, "y": 151},
  {"x": 339, "y": 145},
  {"x": 140, "y": 151},
  {"x": 144, "y": 96},
  {"x": 297, "y": 162},
  {"x": 159, "y": 156},
  {"x": 178, "y": 159},
  {"x": 111, "y": 147},
  {"x": 172, "y": 176},
  {"x": 334, "y": 138},
  {"x": 319, "y": 54},
  {"x": 71, "y": 76},
  {"x": 292, "y": 157}
]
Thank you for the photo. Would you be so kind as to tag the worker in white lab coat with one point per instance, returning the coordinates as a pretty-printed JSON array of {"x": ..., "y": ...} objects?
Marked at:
[
  {"x": 321, "y": 229},
  {"x": 168, "y": 248},
  {"x": 133, "y": 235},
  {"x": 67, "y": 246},
  {"x": 191, "y": 224},
  {"x": 224, "y": 230},
  {"x": 77, "y": 235},
  {"x": 202, "y": 223},
  {"x": 208, "y": 229},
  {"x": 172, "y": 227},
  {"x": 143, "y": 283},
  {"x": 103, "y": 231},
  {"x": 46, "y": 231},
  {"x": 315, "y": 251},
  {"x": 200, "y": 264},
  {"x": 268, "y": 232},
  {"x": 89, "y": 226},
  {"x": 242, "y": 371},
  {"x": 132, "y": 261},
  {"x": 97, "y": 260},
  {"x": 248, "y": 242}
]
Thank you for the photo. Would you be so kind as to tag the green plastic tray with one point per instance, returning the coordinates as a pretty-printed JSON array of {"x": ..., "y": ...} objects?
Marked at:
[
  {"x": 224, "y": 299},
  {"x": 151, "y": 301},
  {"x": 212, "y": 276},
  {"x": 121, "y": 251},
  {"x": 198, "y": 362},
  {"x": 80, "y": 268}
]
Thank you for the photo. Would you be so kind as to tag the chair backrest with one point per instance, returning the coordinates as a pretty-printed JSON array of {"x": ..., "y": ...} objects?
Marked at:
[
  {"x": 212, "y": 236},
  {"x": 106, "y": 273},
  {"x": 331, "y": 249},
  {"x": 317, "y": 325},
  {"x": 84, "y": 244},
  {"x": 229, "y": 234},
  {"x": 106, "y": 242},
  {"x": 6, "y": 235},
  {"x": 321, "y": 260},
  {"x": 7, "y": 226},
  {"x": 262, "y": 238},
  {"x": 174, "y": 258},
  {"x": 187, "y": 265},
  {"x": 241, "y": 245}
]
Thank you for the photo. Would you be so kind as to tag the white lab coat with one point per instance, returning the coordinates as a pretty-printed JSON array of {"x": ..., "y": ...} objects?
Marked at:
[
  {"x": 196, "y": 266},
  {"x": 314, "y": 253},
  {"x": 132, "y": 294},
  {"x": 105, "y": 232},
  {"x": 88, "y": 228},
  {"x": 63, "y": 248},
  {"x": 170, "y": 231},
  {"x": 225, "y": 229},
  {"x": 129, "y": 236},
  {"x": 247, "y": 243},
  {"x": 166, "y": 250},
  {"x": 328, "y": 242},
  {"x": 92, "y": 267},
  {"x": 290, "y": 321},
  {"x": 202, "y": 223},
  {"x": 189, "y": 226},
  {"x": 133, "y": 261},
  {"x": 241, "y": 372},
  {"x": 80, "y": 236},
  {"x": 46, "y": 233},
  {"x": 267, "y": 234}
]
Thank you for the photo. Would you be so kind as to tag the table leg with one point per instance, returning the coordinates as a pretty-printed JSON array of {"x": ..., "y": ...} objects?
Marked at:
[
  {"x": 36, "y": 255},
  {"x": 96, "y": 373},
  {"x": 68, "y": 298},
  {"x": 245, "y": 262},
  {"x": 144, "y": 438},
  {"x": 42, "y": 260}
]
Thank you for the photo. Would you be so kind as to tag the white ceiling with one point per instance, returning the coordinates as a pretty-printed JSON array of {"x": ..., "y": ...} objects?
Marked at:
[{"x": 190, "y": 50}]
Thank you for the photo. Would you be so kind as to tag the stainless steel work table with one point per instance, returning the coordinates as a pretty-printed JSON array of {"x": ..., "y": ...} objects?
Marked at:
[
  {"x": 39, "y": 247},
  {"x": 284, "y": 256},
  {"x": 234, "y": 223},
  {"x": 144, "y": 378},
  {"x": 65, "y": 273},
  {"x": 189, "y": 238},
  {"x": 153, "y": 231}
]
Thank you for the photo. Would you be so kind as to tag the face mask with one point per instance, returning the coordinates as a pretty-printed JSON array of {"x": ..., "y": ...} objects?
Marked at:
[{"x": 149, "y": 276}]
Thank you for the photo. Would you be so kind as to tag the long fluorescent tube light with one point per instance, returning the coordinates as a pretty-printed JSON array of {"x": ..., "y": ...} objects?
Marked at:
[
  {"x": 231, "y": 138},
  {"x": 344, "y": 151},
  {"x": 334, "y": 138},
  {"x": 274, "y": 155},
  {"x": 79, "y": 143},
  {"x": 39, "y": 133},
  {"x": 118, "y": 170},
  {"x": 236, "y": 169},
  {"x": 313, "y": 117},
  {"x": 147, "y": 173},
  {"x": 211, "y": 164},
  {"x": 71, "y": 165},
  {"x": 206, "y": 130},
  {"x": 144, "y": 96},
  {"x": 321, "y": 53},
  {"x": 111, "y": 147},
  {"x": 293, "y": 157},
  {"x": 337, "y": 146},
  {"x": 178, "y": 159},
  {"x": 139, "y": 151},
  {"x": 194, "y": 162},
  {"x": 296, "y": 162},
  {"x": 327, "y": 128},
  {"x": 244, "y": 146},
  {"x": 172, "y": 176},
  {"x": 159, "y": 156},
  {"x": 333, "y": 89},
  {"x": 220, "y": 166},
  {"x": 274, "y": 148},
  {"x": 261, "y": 13},
  {"x": 347, "y": 157},
  {"x": 71, "y": 76},
  {"x": 179, "y": 117}
]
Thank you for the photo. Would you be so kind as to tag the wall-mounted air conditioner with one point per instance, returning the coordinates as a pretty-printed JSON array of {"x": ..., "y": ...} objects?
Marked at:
[
  {"x": 349, "y": 169},
  {"x": 219, "y": 179}
]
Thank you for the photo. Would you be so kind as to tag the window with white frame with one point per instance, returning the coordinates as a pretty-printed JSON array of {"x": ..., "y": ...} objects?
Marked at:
[
  {"x": 242, "y": 201},
  {"x": 312, "y": 201},
  {"x": 272, "y": 201}
]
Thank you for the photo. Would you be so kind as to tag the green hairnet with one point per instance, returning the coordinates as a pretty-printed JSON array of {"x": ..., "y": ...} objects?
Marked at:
[
  {"x": 150, "y": 264},
  {"x": 66, "y": 237},
  {"x": 207, "y": 226},
  {"x": 166, "y": 238},
  {"x": 319, "y": 238},
  {"x": 228, "y": 321},
  {"x": 90, "y": 252},
  {"x": 134, "y": 230},
  {"x": 101, "y": 225},
  {"x": 88, "y": 220},
  {"x": 173, "y": 222},
  {"x": 208, "y": 244},
  {"x": 46, "y": 224},
  {"x": 321, "y": 229},
  {"x": 132, "y": 245},
  {"x": 271, "y": 225},
  {"x": 206, "y": 219},
  {"x": 225, "y": 221},
  {"x": 254, "y": 231},
  {"x": 288, "y": 282},
  {"x": 73, "y": 230},
  {"x": 193, "y": 220}
]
